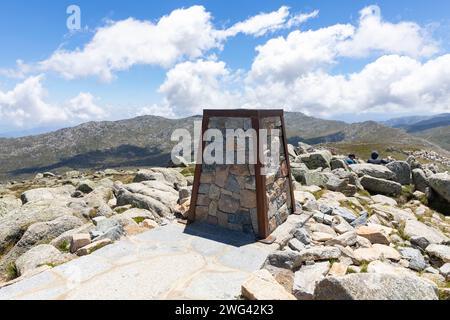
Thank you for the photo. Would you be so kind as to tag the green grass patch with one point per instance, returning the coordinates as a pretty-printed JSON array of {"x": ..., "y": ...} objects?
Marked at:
[
  {"x": 364, "y": 193},
  {"x": 64, "y": 246},
  {"x": 188, "y": 171},
  {"x": 401, "y": 231},
  {"x": 139, "y": 220},
  {"x": 364, "y": 265},
  {"x": 319, "y": 194},
  {"x": 406, "y": 195},
  {"x": 11, "y": 271}
]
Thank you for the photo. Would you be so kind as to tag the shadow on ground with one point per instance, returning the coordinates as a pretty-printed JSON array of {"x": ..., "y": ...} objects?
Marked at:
[{"x": 219, "y": 234}]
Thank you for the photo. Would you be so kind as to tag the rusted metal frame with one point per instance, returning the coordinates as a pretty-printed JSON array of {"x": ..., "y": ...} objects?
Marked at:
[
  {"x": 260, "y": 180},
  {"x": 288, "y": 163},
  {"x": 198, "y": 169},
  {"x": 244, "y": 113}
]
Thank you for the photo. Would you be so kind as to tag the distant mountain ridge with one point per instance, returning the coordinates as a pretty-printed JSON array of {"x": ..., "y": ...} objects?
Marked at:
[
  {"x": 145, "y": 141},
  {"x": 434, "y": 128}
]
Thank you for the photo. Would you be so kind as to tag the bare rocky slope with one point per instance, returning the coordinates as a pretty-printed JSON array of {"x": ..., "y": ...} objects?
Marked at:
[
  {"x": 360, "y": 232},
  {"x": 145, "y": 141}
]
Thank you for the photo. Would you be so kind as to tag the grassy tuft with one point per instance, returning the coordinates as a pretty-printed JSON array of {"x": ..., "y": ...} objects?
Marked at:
[
  {"x": 319, "y": 194},
  {"x": 188, "y": 171},
  {"x": 64, "y": 246},
  {"x": 139, "y": 220},
  {"x": 11, "y": 271},
  {"x": 364, "y": 265}
]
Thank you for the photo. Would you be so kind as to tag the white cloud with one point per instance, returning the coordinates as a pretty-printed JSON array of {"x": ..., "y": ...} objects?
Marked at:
[
  {"x": 390, "y": 84},
  {"x": 184, "y": 34},
  {"x": 156, "y": 110},
  {"x": 264, "y": 23},
  {"x": 285, "y": 58},
  {"x": 83, "y": 107},
  {"x": 26, "y": 106},
  {"x": 191, "y": 87},
  {"x": 120, "y": 45},
  {"x": 298, "y": 53},
  {"x": 374, "y": 34},
  {"x": 26, "y": 103}
]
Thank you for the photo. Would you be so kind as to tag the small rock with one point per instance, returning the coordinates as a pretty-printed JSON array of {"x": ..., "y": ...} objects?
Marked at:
[
  {"x": 431, "y": 270},
  {"x": 319, "y": 253},
  {"x": 302, "y": 235},
  {"x": 296, "y": 245},
  {"x": 439, "y": 253},
  {"x": 321, "y": 236},
  {"x": 373, "y": 234},
  {"x": 361, "y": 220},
  {"x": 435, "y": 278},
  {"x": 387, "y": 252},
  {"x": 79, "y": 240},
  {"x": 344, "y": 213},
  {"x": 149, "y": 224},
  {"x": 93, "y": 247},
  {"x": 261, "y": 285},
  {"x": 379, "y": 198},
  {"x": 306, "y": 278},
  {"x": 363, "y": 242},
  {"x": 366, "y": 254},
  {"x": 415, "y": 258},
  {"x": 287, "y": 259},
  {"x": 338, "y": 269},
  {"x": 445, "y": 270},
  {"x": 346, "y": 239}
]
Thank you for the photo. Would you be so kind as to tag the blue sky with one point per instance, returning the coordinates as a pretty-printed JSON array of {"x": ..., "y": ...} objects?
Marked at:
[{"x": 315, "y": 66}]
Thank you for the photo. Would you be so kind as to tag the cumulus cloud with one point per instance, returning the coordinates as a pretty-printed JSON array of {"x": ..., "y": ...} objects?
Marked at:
[
  {"x": 285, "y": 58},
  {"x": 184, "y": 34},
  {"x": 157, "y": 110},
  {"x": 375, "y": 34},
  {"x": 390, "y": 84},
  {"x": 191, "y": 87},
  {"x": 83, "y": 107},
  {"x": 263, "y": 23},
  {"x": 26, "y": 102},
  {"x": 122, "y": 44},
  {"x": 26, "y": 105}
]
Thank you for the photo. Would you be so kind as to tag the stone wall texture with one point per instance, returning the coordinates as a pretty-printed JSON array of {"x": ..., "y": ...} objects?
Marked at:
[
  {"x": 227, "y": 192},
  {"x": 279, "y": 204}
]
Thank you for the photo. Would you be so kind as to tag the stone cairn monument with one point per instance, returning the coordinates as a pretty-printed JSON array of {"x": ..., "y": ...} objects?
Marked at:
[{"x": 244, "y": 196}]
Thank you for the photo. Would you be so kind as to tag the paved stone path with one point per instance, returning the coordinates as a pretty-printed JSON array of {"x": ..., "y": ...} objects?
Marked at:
[{"x": 170, "y": 262}]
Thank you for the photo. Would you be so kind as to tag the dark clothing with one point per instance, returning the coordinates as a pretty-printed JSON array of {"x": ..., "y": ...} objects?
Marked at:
[
  {"x": 350, "y": 161},
  {"x": 377, "y": 161}
]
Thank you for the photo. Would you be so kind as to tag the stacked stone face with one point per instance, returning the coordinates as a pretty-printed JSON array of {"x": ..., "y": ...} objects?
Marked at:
[
  {"x": 278, "y": 194},
  {"x": 227, "y": 192}
]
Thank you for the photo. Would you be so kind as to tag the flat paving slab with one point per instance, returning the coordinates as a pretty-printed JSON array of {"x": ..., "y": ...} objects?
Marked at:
[{"x": 175, "y": 261}]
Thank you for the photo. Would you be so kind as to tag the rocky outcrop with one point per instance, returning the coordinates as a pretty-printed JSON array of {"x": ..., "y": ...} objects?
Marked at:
[
  {"x": 440, "y": 183},
  {"x": 372, "y": 170},
  {"x": 402, "y": 171},
  {"x": 261, "y": 285},
  {"x": 315, "y": 160},
  {"x": 375, "y": 286},
  {"x": 41, "y": 255},
  {"x": 378, "y": 185}
]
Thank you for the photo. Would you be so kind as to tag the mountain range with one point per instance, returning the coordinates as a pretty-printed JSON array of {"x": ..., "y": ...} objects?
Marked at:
[
  {"x": 145, "y": 141},
  {"x": 435, "y": 128}
]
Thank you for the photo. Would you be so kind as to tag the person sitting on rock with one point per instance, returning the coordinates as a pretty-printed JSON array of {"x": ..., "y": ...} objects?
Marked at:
[
  {"x": 374, "y": 159},
  {"x": 351, "y": 159}
]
